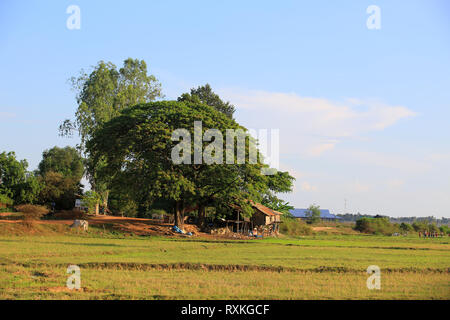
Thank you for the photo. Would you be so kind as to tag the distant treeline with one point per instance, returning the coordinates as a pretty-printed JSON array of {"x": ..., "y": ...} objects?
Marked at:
[{"x": 348, "y": 217}]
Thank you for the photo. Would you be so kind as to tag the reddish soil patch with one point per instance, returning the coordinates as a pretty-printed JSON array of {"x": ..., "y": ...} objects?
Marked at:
[
  {"x": 137, "y": 226},
  {"x": 5, "y": 214}
]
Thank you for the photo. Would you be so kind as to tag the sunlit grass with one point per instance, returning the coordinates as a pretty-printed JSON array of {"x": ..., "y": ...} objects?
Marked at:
[{"x": 320, "y": 267}]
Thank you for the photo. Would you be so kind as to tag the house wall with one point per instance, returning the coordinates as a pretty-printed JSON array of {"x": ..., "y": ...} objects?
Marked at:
[{"x": 258, "y": 218}]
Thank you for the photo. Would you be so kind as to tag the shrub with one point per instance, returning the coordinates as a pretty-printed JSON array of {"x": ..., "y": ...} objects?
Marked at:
[
  {"x": 405, "y": 227},
  {"x": 32, "y": 212},
  {"x": 313, "y": 214},
  {"x": 376, "y": 226},
  {"x": 422, "y": 227},
  {"x": 445, "y": 229},
  {"x": 419, "y": 226},
  {"x": 433, "y": 228},
  {"x": 5, "y": 200},
  {"x": 295, "y": 227}
]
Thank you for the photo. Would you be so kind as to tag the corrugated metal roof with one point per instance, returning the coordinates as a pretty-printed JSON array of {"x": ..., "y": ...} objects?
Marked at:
[
  {"x": 260, "y": 207},
  {"x": 265, "y": 210},
  {"x": 324, "y": 213}
]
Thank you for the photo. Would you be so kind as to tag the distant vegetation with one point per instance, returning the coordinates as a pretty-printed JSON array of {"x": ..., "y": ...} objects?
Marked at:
[
  {"x": 295, "y": 227},
  {"x": 313, "y": 214},
  {"x": 348, "y": 217},
  {"x": 382, "y": 225},
  {"x": 376, "y": 226}
]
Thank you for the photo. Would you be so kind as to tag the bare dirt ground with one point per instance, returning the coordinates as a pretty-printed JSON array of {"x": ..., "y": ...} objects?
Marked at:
[
  {"x": 322, "y": 228},
  {"x": 5, "y": 214},
  {"x": 137, "y": 226}
]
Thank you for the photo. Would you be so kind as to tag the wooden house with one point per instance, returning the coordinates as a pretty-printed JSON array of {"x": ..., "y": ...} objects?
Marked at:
[{"x": 262, "y": 218}]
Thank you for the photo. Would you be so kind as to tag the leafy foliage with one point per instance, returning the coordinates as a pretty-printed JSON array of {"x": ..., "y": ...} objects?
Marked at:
[
  {"x": 313, "y": 214},
  {"x": 5, "y": 200},
  {"x": 376, "y": 226},
  {"x": 60, "y": 172},
  {"x": 136, "y": 148},
  {"x": 65, "y": 161},
  {"x": 101, "y": 95},
  {"x": 295, "y": 227},
  {"x": 423, "y": 226},
  {"x": 15, "y": 182},
  {"x": 405, "y": 227},
  {"x": 91, "y": 199},
  {"x": 205, "y": 95}
]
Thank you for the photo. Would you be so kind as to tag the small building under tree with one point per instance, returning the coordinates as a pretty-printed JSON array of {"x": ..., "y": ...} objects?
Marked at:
[{"x": 263, "y": 218}]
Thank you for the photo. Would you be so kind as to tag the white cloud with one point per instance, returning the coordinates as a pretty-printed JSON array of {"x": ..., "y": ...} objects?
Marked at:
[
  {"x": 385, "y": 160},
  {"x": 319, "y": 116},
  {"x": 305, "y": 186},
  {"x": 312, "y": 127},
  {"x": 318, "y": 149}
]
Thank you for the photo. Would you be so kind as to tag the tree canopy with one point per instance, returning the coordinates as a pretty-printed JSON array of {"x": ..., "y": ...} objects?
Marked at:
[
  {"x": 65, "y": 161},
  {"x": 60, "y": 173},
  {"x": 101, "y": 95},
  {"x": 204, "y": 94},
  {"x": 16, "y": 182},
  {"x": 104, "y": 92},
  {"x": 313, "y": 214}
]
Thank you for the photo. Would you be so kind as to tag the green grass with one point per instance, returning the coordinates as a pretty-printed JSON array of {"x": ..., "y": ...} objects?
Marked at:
[{"x": 315, "y": 267}]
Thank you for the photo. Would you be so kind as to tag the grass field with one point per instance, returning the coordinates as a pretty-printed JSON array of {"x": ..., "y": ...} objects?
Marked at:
[{"x": 114, "y": 266}]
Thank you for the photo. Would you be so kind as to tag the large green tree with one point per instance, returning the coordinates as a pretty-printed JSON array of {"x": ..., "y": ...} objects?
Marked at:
[
  {"x": 138, "y": 151},
  {"x": 101, "y": 95},
  {"x": 16, "y": 182},
  {"x": 66, "y": 161},
  {"x": 60, "y": 173}
]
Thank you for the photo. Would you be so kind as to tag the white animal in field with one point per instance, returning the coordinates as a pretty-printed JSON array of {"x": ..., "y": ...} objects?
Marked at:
[{"x": 80, "y": 224}]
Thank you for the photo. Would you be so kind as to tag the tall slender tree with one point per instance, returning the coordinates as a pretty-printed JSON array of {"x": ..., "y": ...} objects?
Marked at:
[{"x": 101, "y": 95}]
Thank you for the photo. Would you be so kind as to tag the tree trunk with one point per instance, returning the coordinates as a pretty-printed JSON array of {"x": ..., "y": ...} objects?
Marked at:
[
  {"x": 97, "y": 205},
  {"x": 202, "y": 217},
  {"x": 179, "y": 214},
  {"x": 105, "y": 201}
]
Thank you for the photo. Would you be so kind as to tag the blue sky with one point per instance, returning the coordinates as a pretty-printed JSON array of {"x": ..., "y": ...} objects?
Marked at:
[{"x": 363, "y": 114}]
